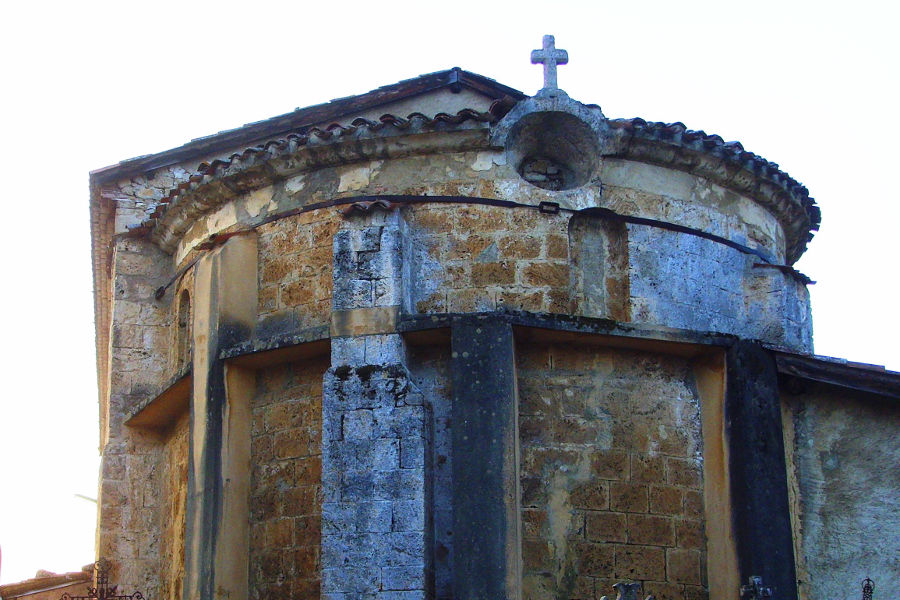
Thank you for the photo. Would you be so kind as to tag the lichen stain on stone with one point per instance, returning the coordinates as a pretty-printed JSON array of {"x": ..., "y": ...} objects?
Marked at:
[
  {"x": 484, "y": 161},
  {"x": 357, "y": 177},
  {"x": 560, "y": 516},
  {"x": 428, "y": 276},
  {"x": 222, "y": 218},
  {"x": 295, "y": 184},
  {"x": 257, "y": 200}
]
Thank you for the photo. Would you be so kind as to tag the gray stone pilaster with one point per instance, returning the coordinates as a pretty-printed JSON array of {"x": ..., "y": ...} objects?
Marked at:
[
  {"x": 486, "y": 521},
  {"x": 375, "y": 532},
  {"x": 759, "y": 488}
]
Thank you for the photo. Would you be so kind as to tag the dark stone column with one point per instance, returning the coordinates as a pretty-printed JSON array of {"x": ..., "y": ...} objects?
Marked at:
[
  {"x": 486, "y": 524},
  {"x": 759, "y": 491}
]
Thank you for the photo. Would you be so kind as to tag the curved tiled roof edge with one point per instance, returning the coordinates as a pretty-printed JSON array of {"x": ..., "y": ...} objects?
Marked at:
[
  {"x": 291, "y": 142},
  {"x": 767, "y": 178},
  {"x": 281, "y": 158},
  {"x": 678, "y": 133},
  {"x": 682, "y": 148}
]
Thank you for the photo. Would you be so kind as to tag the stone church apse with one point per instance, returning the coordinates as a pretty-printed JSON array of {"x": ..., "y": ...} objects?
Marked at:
[{"x": 500, "y": 346}]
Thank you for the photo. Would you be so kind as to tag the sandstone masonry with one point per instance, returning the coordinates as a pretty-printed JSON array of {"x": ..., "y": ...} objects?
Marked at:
[{"x": 503, "y": 347}]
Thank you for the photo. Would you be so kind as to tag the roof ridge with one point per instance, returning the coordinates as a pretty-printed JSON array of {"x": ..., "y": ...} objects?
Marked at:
[{"x": 278, "y": 125}]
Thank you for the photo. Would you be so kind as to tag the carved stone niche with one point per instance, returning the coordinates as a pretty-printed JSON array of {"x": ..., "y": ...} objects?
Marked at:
[{"x": 552, "y": 141}]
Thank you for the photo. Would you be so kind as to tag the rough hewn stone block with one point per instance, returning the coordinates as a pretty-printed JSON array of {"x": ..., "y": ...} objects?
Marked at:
[
  {"x": 596, "y": 559},
  {"x": 628, "y": 497},
  {"x": 650, "y": 530},
  {"x": 494, "y": 273},
  {"x": 606, "y": 527},
  {"x": 593, "y": 495},
  {"x": 555, "y": 275},
  {"x": 666, "y": 500},
  {"x": 683, "y": 566},
  {"x": 640, "y": 562}
]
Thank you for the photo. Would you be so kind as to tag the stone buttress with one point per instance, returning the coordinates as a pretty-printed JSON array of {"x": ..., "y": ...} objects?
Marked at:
[{"x": 375, "y": 427}]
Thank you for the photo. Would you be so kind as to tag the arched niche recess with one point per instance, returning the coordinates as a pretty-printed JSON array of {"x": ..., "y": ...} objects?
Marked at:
[{"x": 183, "y": 331}]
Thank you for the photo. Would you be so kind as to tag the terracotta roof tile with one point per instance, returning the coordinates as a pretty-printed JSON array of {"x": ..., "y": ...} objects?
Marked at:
[
  {"x": 454, "y": 79},
  {"x": 291, "y": 142},
  {"x": 675, "y": 134},
  {"x": 47, "y": 582},
  {"x": 731, "y": 153}
]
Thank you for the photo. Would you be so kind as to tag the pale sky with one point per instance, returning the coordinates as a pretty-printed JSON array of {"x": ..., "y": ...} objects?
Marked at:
[{"x": 812, "y": 86}]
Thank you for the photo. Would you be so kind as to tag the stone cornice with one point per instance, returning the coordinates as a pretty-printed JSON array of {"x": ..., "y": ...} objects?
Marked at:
[
  {"x": 726, "y": 164},
  {"x": 671, "y": 145},
  {"x": 222, "y": 181}
]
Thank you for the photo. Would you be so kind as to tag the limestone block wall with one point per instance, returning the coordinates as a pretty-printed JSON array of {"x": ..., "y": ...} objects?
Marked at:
[
  {"x": 375, "y": 430},
  {"x": 295, "y": 271},
  {"x": 174, "y": 473},
  {"x": 628, "y": 187},
  {"x": 286, "y": 463},
  {"x": 141, "y": 324},
  {"x": 611, "y": 473},
  {"x": 643, "y": 189},
  {"x": 471, "y": 257},
  {"x": 842, "y": 459},
  {"x": 693, "y": 283},
  {"x": 136, "y": 196},
  {"x": 478, "y": 258},
  {"x": 130, "y": 495}
]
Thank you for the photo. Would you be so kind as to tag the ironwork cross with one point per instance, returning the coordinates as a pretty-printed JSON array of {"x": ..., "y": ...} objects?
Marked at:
[
  {"x": 103, "y": 589},
  {"x": 868, "y": 588},
  {"x": 549, "y": 56},
  {"x": 755, "y": 589}
]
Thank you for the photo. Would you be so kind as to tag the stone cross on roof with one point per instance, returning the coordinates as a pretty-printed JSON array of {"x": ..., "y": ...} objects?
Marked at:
[{"x": 550, "y": 57}]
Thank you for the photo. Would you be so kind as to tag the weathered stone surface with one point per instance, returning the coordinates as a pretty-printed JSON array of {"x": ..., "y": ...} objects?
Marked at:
[
  {"x": 486, "y": 531},
  {"x": 374, "y": 510},
  {"x": 376, "y": 431},
  {"x": 845, "y": 463},
  {"x": 219, "y": 474},
  {"x": 174, "y": 499},
  {"x": 352, "y": 483},
  {"x": 295, "y": 277},
  {"x": 285, "y": 515},
  {"x": 757, "y": 469},
  {"x": 138, "y": 466},
  {"x": 606, "y": 435}
]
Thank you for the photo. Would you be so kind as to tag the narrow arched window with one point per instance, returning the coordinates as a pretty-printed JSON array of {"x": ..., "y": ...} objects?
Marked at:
[{"x": 183, "y": 332}]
